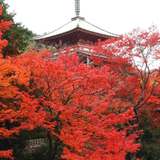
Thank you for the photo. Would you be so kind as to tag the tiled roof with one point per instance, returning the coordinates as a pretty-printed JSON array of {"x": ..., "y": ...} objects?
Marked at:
[{"x": 77, "y": 22}]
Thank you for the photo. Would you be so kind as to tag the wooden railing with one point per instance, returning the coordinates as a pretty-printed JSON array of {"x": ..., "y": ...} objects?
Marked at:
[
  {"x": 35, "y": 142},
  {"x": 74, "y": 48}
]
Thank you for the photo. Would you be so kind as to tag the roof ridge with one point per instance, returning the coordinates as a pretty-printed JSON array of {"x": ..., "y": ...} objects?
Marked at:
[
  {"x": 102, "y": 29},
  {"x": 53, "y": 30}
]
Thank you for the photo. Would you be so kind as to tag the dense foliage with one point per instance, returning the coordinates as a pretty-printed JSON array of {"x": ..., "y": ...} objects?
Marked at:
[
  {"x": 134, "y": 57},
  {"x": 87, "y": 112}
]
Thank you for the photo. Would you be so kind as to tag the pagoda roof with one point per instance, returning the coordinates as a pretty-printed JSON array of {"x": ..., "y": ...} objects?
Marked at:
[{"x": 77, "y": 23}]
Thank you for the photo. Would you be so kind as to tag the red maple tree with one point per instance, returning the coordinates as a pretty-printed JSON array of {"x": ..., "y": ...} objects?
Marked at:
[
  {"x": 81, "y": 107},
  {"x": 15, "y": 106},
  {"x": 134, "y": 58},
  {"x": 4, "y": 82},
  {"x": 74, "y": 101}
]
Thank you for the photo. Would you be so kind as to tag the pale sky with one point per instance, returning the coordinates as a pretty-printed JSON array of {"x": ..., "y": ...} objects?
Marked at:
[{"x": 116, "y": 16}]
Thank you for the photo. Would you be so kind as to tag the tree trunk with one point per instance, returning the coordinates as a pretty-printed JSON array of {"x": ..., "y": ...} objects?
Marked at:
[
  {"x": 133, "y": 156},
  {"x": 55, "y": 149},
  {"x": 50, "y": 144}
]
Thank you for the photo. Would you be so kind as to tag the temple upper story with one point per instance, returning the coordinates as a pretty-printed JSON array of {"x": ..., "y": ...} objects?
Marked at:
[{"x": 78, "y": 34}]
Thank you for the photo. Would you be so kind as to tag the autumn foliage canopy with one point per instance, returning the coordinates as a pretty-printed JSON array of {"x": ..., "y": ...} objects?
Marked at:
[{"x": 92, "y": 113}]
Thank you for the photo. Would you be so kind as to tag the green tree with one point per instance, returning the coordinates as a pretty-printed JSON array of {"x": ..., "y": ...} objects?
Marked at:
[{"x": 18, "y": 36}]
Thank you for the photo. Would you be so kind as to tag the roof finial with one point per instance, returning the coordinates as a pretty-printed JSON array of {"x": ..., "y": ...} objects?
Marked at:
[{"x": 77, "y": 7}]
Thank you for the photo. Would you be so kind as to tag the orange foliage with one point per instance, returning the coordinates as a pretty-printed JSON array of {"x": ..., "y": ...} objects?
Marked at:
[{"x": 11, "y": 76}]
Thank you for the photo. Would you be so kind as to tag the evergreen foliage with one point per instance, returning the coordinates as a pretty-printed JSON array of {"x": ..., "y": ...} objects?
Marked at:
[{"x": 18, "y": 36}]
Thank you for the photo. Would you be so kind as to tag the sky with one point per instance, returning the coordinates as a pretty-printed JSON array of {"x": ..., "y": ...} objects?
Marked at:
[{"x": 116, "y": 16}]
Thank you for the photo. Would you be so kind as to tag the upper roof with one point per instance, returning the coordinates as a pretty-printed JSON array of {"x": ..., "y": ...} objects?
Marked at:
[{"x": 77, "y": 22}]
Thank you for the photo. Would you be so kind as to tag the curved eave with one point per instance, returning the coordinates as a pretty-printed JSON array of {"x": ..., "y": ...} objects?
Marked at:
[
  {"x": 94, "y": 33},
  {"x": 57, "y": 36},
  {"x": 72, "y": 31}
]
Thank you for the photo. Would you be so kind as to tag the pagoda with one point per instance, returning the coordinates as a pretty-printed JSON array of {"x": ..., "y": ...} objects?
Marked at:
[{"x": 78, "y": 34}]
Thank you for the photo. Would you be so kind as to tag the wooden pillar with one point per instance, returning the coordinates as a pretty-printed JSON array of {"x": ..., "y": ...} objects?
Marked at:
[{"x": 88, "y": 61}]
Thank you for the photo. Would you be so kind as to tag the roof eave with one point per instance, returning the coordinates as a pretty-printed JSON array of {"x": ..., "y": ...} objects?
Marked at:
[{"x": 72, "y": 31}]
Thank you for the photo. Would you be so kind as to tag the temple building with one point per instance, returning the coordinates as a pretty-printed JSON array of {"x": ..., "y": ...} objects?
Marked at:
[{"x": 78, "y": 34}]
